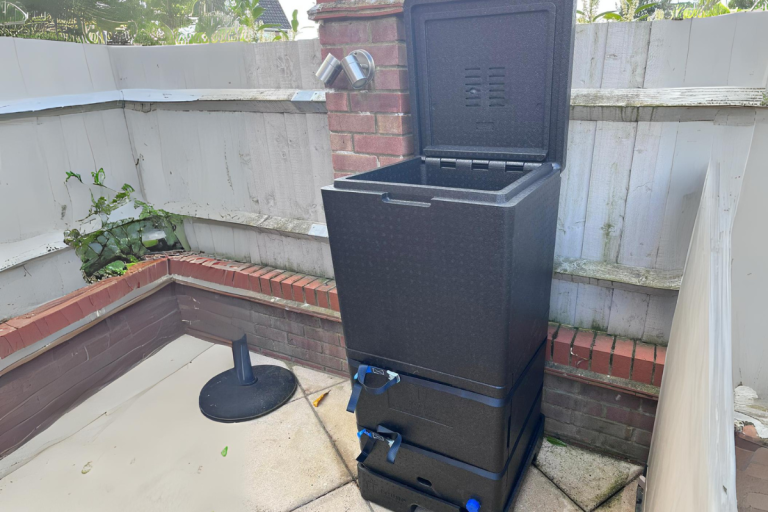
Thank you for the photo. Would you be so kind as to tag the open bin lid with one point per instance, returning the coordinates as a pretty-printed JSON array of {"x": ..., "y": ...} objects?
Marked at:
[{"x": 490, "y": 79}]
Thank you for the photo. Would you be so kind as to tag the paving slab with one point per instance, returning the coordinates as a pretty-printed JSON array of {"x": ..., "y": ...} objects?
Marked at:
[
  {"x": 586, "y": 477},
  {"x": 158, "y": 453},
  {"x": 163, "y": 363},
  {"x": 623, "y": 501},
  {"x": 345, "y": 499},
  {"x": 538, "y": 494},
  {"x": 339, "y": 423},
  {"x": 313, "y": 381}
]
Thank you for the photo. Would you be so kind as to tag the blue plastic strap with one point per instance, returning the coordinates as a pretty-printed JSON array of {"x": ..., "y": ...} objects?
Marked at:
[
  {"x": 393, "y": 439},
  {"x": 363, "y": 370}
]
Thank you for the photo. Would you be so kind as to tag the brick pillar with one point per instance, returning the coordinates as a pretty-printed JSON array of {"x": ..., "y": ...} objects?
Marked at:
[{"x": 369, "y": 127}]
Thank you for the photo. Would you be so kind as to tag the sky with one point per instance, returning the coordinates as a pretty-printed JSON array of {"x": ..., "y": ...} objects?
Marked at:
[{"x": 307, "y": 29}]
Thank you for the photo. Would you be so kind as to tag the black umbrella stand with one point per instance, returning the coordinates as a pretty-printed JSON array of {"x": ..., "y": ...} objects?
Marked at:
[{"x": 246, "y": 392}]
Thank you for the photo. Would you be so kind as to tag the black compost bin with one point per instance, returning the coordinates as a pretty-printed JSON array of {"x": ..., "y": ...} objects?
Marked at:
[{"x": 444, "y": 262}]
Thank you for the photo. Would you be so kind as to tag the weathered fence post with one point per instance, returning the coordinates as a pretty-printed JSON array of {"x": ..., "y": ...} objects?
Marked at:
[{"x": 371, "y": 127}]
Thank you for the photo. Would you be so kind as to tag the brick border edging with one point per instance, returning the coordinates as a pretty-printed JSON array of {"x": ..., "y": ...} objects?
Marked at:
[
  {"x": 580, "y": 349},
  {"x": 213, "y": 294},
  {"x": 605, "y": 354}
]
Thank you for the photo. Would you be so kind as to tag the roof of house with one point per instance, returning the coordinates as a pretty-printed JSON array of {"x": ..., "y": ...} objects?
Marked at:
[{"x": 273, "y": 13}]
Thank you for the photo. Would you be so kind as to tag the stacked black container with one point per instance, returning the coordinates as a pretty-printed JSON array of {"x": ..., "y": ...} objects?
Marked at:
[{"x": 444, "y": 262}]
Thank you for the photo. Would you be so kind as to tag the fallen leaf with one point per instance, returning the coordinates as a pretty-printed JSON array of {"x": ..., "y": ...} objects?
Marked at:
[
  {"x": 556, "y": 441},
  {"x": 224, "y": 451},
  {"x": 319, "y": 399}
]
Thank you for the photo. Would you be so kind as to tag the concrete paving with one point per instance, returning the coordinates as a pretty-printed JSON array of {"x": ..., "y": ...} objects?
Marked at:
[
  {"x": 539, "y": 494},
  {"x": 152, "y": 450},
  {"x": 339, "y": 423},
  {"x": 624, "y": 501},
  {"x": 588, "y": 478}
]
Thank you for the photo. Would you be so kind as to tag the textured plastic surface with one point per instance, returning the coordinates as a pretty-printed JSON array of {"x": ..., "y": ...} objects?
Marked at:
[
  {"x": 479, "y": 432},
  {"x": 447, "y": 284},
  {"x": 397, "y": 497},
  {"x": 434, "y": 476},
  {"x": 490, "y": 79}
]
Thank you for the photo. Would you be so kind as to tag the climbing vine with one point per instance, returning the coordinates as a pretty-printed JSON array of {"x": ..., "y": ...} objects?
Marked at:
[{"x": 130, "y": 229}]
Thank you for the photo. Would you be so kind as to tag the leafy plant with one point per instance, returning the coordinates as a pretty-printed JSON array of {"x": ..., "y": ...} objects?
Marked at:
[
  {"x": 71, "y": 174},
  {"x": 629, "y": 10},
  {"x": 589, "y": 14},
  {"x": 110, "y": 250}
]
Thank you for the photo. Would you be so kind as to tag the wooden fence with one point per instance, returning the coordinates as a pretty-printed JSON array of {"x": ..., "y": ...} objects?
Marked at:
[{"x": 193, "y": 138}]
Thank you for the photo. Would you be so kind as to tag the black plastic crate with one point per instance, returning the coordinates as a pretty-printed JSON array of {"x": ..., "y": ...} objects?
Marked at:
[
  {"x": 449, "y": 480},
  {"x": 444, "y": 262},
  {"x": 462, "y": 425},
  {"x": 447, "y": 284}
]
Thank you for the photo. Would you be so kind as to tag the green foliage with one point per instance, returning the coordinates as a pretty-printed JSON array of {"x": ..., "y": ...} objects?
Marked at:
[
  {"x": 98, "y": 177},
  {"x": 109, "y": 250},
  {"x": 71, "y": 174},
  {"x": 630, "y": 10},
  {"x": 145, "y": 22}
]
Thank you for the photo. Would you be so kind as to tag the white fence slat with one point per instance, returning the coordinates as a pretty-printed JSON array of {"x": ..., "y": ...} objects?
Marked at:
[
  {"x": 242, "y": 246},
  {"x": 689, "y": 166},
  {"x": 12, "y": 85},
  {"x": 220, "y": 66},
  {"x": 589, "y": 55},
  {"x": 204, "y": 237},
  {"x": 26, "y": 205},
  {"x": 562, "y": 302},
  {"x": 264, "y": 183},
  {"x": 99, "y": 67},
  {"x": 574, "y": 189},
  {"x": 593, "y": 307},
  {"x": 629, "y": 311},
  {"x": 289, "y": 65},
  {"x": 144, "y": 133},
  {"x": 181, "y": 157},
  {"x": 223, "y": 236},
  {"x": 109, "y": 139},
  {"x": 189, "y": 231},
  {"x": 667, "y": 53},
  {"x": 658, "y": 322},
  {"x": 278, "y": 142},
  {"x": 309, "y": 61},
  {"x": 126, "y": 68},
  {"x": 53, "y": 69},
  {"x": 39, "y": 281},
  {"x": 749, "y": 56},
  {"x": 320, "y": 153},
  {"x": 647, "y": 196},
  {"x": 626, "y": 53},
  {"x": 609, "y": 180},
  {"x": 300, "y": 162},
  {"x": 53, "y": 151},
  {"x": 709, "y": 51}
]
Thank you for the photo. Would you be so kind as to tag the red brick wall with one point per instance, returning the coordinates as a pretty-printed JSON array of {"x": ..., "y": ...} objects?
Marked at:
[
  {"x": 273, "y": 331},
  {"x": 606, "y": 419},
  {"x": 369, "y": 128},
  {"x": 39, "y": 392}
]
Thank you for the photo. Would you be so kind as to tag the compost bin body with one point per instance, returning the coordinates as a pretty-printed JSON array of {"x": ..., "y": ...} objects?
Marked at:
[
  {"x": 443, "y": 262},
  {"x": 451, "y": 289}
]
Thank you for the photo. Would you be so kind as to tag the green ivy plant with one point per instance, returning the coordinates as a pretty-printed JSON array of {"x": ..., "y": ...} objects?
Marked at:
[{"x": 112, "y": 249}]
